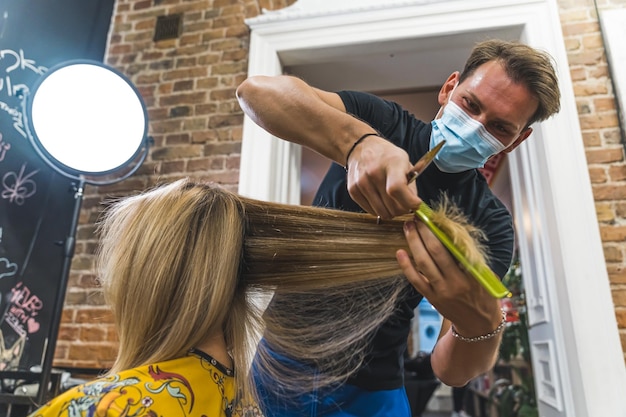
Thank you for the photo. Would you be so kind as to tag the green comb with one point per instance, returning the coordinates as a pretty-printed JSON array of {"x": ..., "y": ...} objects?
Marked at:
[{"x": 482, "y": 273}]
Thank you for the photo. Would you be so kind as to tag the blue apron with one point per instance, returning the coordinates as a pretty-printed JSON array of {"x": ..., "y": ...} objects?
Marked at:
[{"x": 343, "y": 401}]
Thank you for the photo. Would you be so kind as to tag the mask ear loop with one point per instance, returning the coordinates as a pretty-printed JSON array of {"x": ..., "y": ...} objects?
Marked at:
[{"x": 438, "y": 115}]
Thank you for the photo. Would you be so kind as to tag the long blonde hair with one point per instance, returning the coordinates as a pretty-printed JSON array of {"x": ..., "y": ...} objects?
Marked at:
[
  {"x": 187, "y": 260},
  {"x": 169, "y": 268},
  {"x": 335, "y": 278}
]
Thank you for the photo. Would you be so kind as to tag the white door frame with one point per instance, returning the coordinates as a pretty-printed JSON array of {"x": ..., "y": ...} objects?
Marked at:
[{"x": 577, "y": 356}]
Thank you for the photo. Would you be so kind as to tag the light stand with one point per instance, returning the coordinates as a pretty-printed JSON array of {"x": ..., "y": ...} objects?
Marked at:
[{"x": 104, "y": 132}]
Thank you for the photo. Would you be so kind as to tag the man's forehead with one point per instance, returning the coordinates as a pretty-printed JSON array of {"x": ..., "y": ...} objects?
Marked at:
[{"x": 492, "y": 88}]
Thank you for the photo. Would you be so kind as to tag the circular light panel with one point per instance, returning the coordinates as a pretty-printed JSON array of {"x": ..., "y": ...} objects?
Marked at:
[{"x": 88, "y": 117}]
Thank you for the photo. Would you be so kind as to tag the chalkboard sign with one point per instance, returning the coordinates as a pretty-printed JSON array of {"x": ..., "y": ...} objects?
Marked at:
[{"x": 36, "y": 203}]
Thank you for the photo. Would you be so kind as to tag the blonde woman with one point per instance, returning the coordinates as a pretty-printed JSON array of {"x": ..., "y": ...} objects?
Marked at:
[{"x": 183, "y": 266}]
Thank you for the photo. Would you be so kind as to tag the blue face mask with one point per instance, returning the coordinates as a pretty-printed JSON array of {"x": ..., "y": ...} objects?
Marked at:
[{"x": 468, "y": 144}]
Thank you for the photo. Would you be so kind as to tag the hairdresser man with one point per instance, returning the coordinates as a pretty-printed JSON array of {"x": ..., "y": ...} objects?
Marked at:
[{"x": 486, "y": 109}]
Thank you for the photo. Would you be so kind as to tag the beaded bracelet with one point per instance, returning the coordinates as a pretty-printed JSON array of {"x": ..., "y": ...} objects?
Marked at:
[
  {"x": 359, "y": 140},
  {"x": 484, "y": 336}
]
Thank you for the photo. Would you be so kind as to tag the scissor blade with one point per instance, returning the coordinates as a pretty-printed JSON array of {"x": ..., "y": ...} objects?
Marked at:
[{"x": 423, "y": 162}]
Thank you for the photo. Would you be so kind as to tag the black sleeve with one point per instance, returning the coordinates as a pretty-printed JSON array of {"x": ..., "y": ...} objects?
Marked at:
[{"x": 333, "y": 191}]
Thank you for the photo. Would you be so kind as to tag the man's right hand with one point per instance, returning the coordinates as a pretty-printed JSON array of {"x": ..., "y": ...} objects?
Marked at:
[{"x": 377, "y": 178}]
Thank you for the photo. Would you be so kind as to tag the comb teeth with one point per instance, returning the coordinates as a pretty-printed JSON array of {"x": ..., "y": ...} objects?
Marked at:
[
  {"x": 425, "y": 208},
  {"x": 483, "y": 274}
]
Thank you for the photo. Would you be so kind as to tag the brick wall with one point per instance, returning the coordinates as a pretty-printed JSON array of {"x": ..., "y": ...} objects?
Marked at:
[
  {"x": 188, "y": 85},
  {"x": 601, "y": 134}
]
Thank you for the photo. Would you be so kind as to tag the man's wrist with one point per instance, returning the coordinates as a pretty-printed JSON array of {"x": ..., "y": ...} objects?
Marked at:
[{"x": 355, "y": 144}]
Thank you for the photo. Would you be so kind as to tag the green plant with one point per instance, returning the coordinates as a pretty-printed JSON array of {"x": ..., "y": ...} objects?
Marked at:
[{"x": 515, "y": 399}]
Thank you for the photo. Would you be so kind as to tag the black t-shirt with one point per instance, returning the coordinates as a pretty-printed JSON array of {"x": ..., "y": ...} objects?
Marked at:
[{"x": 384, "y": 368}]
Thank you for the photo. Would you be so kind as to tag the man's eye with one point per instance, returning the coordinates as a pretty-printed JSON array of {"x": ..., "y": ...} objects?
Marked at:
[
  {"x": 501, "y": 128},
  {"x": 471, "y": 106},
  {"x": 502, "y": 132}
]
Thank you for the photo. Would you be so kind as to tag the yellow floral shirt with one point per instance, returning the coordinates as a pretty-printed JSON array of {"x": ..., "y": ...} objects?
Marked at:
[{"x": 193, "y": 386}]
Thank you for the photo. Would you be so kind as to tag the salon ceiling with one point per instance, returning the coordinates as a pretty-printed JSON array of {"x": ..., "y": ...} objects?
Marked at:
[{"x": 388, "y": 66}]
